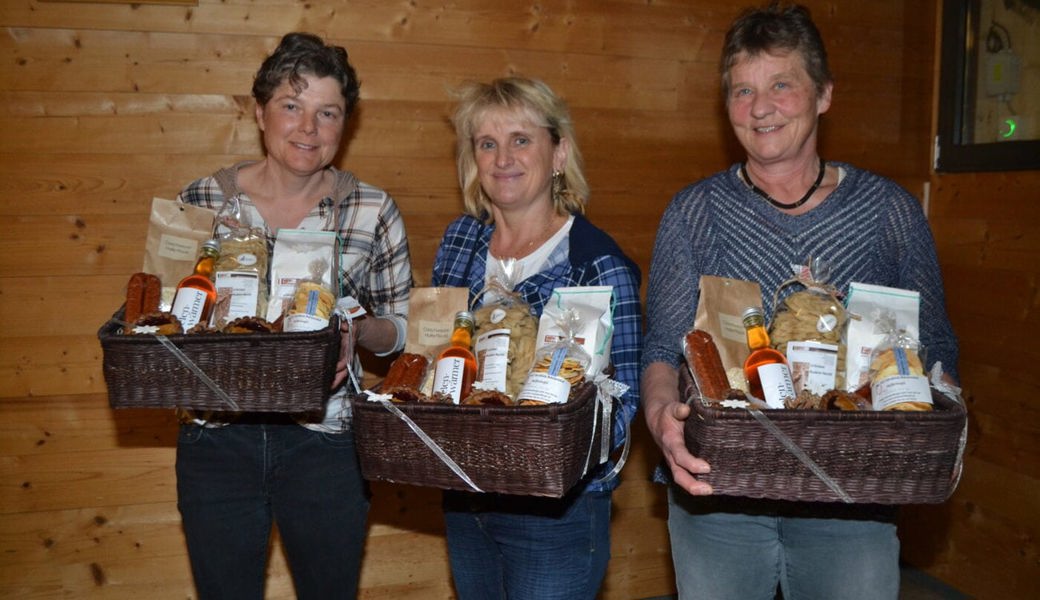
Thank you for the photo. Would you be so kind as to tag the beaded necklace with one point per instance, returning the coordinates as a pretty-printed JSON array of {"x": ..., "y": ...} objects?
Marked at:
[{"x": 777, "y": 203}]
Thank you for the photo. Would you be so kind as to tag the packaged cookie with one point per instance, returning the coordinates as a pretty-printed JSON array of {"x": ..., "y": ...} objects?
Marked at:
[
  {"x": 311, "y": 307},
  {"x": 504, "y": 334},
  {"x": 897, "y": 376},
  {"x": 558, "y": 368},
  {"x": 808, "y": 326}
]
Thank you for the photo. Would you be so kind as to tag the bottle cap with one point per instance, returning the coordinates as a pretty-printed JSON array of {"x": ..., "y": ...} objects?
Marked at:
[
  {"x": 751, "y": 315},
  {"x": 465, "y": 317},
  {"x": 212, "y": 243}
]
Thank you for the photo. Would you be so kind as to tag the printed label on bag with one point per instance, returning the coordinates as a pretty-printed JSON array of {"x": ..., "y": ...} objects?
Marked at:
[
  {"x": 175, "y": 247},
  {"x": 242, "y": 289},
  {"x": 898, "y": 389},
  {"x": 813, "y": 366},
  {"x": 732, "y": 328},
  {"x": 434, "y": 333},
  {"x": 545, "y": 388},
  {"x": 304, "y": 322}
]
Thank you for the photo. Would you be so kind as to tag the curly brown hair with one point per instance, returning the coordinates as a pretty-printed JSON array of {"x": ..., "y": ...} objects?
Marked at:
[{"x": 300, "y": 54}]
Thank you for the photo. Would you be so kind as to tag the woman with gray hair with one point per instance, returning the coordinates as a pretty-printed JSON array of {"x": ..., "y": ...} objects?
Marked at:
[{"x": 756, "y": 221}]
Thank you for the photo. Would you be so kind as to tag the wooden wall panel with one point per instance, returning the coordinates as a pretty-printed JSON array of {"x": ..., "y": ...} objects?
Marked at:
[
  {"x": 988, "y": 237},
  {"x": 105, "y": 106}
]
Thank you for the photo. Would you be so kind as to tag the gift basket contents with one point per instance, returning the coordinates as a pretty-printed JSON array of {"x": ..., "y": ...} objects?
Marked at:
[
  {"x": 507, "y": 403},
  {"x": 241, "y": 328},
  {"x": 830, "y": 401}
]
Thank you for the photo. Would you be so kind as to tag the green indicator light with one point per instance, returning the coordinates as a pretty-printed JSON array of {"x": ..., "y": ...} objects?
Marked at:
[{"x": 1010, "y": 128}]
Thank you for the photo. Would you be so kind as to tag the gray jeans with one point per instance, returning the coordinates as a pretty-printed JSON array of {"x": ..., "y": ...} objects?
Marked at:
[{"x": 745, "y": 554}]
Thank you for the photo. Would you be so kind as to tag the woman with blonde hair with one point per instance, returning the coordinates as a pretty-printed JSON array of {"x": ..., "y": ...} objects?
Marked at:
[{"x": 524, "y": 193}]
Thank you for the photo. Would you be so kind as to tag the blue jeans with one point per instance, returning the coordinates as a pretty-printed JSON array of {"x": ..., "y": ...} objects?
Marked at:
[
  {"x": 741, "y": 549},
  {"x": 234, "y": 481},
  {"x": 527, "y": 548}
]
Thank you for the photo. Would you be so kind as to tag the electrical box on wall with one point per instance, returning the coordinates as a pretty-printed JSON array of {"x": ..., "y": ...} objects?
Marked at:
[{"x": 1000, "y": 73}]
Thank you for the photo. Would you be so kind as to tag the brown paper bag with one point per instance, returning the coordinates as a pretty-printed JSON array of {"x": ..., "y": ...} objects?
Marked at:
[
  {"x": 719, "y": 309},
  {"x": 431, "y": 314},
  {"x": 175, "y": 234}
]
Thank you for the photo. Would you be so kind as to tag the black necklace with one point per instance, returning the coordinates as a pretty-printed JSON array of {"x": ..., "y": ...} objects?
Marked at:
[{"x": 781, "y": 205}]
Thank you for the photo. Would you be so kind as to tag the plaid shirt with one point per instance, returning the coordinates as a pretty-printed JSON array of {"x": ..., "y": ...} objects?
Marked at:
[
  {"x": 586, "y": 257},
  {"x": 375, "y": 267}
]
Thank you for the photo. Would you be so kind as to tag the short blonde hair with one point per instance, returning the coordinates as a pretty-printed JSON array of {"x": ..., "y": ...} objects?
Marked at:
[{"x": 538, "y": 101}]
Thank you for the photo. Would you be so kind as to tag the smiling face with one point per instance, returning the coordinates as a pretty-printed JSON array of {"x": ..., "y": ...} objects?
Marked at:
[
  {"x": 774, "y": 107},
  {"x": 302, "y": 130},
  {"x": 515, "y": 159}
]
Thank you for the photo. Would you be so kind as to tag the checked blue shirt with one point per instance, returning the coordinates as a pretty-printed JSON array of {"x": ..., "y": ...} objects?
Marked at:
[{"x": 587, "y": 256}]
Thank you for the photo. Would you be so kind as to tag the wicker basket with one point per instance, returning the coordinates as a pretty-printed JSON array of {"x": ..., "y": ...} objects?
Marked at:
[
  {"x": 268, "y": 372},
  {"x": 533, "y": 451},
  {"x": 882, "y": 457}
]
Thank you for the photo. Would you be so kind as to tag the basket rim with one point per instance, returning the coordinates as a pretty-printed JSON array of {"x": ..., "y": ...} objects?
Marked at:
[
  {"x": 110, "y": 333},
  {"x": 583, "y": 396},
  {"x": 951, "y": 411}
]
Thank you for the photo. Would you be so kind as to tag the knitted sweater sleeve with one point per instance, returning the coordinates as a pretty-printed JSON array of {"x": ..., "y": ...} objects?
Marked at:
[
  {"x": 672, "y": 287},
  {"x": 919, "y": 270}
]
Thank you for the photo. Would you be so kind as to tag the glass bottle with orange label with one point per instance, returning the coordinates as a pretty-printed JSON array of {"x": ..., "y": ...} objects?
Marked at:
[
  {"x": 456, "y": 366},
  {"x": 766, "y": 369}
]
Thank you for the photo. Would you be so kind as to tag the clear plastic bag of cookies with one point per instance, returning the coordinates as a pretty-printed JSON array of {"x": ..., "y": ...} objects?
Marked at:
[
  {"x": 898, "y": 380},
  {"x": 311, "y": 307},
  {"x": 558, "y": 368},
  {"x": 808, "y": 328},
  {"x": 504, "y": 333}
]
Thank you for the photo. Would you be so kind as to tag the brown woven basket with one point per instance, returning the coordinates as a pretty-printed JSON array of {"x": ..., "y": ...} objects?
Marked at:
[
  {"x": 531, "y": 450},
  {"x": 268, "y": 372},
  {"x": 883, "y": 457}
]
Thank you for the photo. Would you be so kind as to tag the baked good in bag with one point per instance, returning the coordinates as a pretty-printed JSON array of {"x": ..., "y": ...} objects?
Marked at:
[
  {"x": 488, "y": 398},
  {"x": 885, "y": 365},
  {"x": 893, "y": 362},
  {"x": 158, "y": 323},
  {"x": 404, "y": 379},
  {"x": 842, "y": 400},
  {"x": 248, "y": 325},
  {"x": 143, "y": 293},
  {"x": 702, "y": 357}
]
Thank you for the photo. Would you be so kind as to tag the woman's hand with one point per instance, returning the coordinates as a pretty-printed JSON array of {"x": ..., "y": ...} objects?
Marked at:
[
  {"x": 346, "y": 352},
  {"x": 375, "y": 334},
  {"x": 665, "y": 417}
]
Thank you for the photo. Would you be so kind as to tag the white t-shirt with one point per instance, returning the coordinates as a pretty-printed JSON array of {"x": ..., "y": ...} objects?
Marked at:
[{"x": 530, "y": 264}]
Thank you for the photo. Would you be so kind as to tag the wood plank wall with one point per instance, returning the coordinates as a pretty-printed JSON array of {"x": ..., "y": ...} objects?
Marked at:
[
  {"x": 107, "y": 105},
  {"x": 984, "y": 539}
]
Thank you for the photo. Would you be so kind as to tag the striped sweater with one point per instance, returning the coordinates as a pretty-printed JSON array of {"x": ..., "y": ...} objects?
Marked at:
[{"x": 869, "y": 229}]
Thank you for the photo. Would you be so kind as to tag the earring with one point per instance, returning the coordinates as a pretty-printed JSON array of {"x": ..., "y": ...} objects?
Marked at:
[{"x": 557, "y": 187}]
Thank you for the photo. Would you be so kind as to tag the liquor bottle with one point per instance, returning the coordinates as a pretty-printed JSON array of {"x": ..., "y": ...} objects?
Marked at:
[
  {"x": 456, "y": 366},
  {"x": 196, "y": 293},
  {"x": 766, "y": 369}
]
